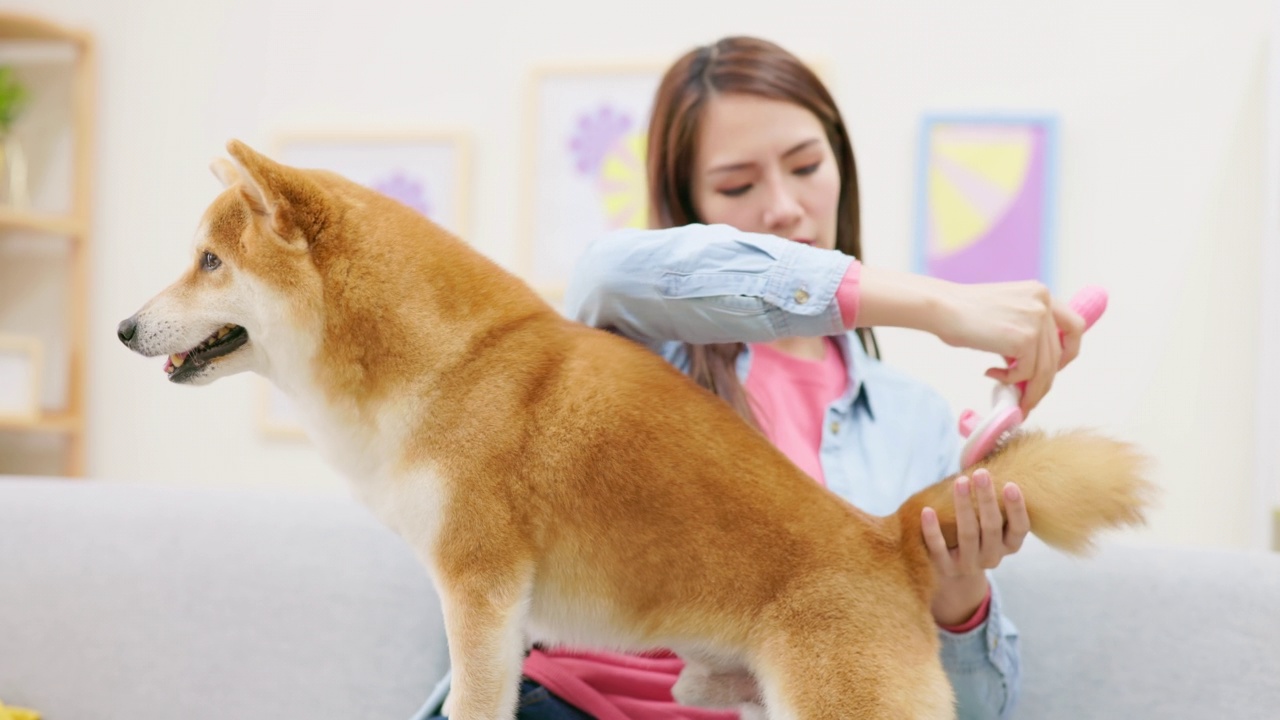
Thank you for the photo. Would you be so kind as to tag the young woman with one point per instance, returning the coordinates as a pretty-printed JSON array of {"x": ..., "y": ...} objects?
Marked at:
[{"x": 751, "y": 283}]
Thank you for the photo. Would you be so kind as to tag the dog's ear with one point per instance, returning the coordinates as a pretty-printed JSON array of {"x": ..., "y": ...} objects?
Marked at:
[
  {"x": 280, "y": 195},
  {"x": 225, "y": 171}
]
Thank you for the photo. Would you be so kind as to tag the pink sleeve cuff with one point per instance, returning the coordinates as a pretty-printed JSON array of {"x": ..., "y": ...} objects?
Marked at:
[
  {"x": 849, "y": 295},
  {"x": 979, "y": 617}
]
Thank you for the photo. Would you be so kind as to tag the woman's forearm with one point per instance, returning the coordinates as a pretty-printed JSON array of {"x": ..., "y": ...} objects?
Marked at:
[{"x": 896, "y": 299}]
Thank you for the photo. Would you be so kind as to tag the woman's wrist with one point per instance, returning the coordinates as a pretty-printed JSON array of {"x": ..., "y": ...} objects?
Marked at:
[
  {"x": 896, "y": 299},
  {"x": 958, "y": 598}
]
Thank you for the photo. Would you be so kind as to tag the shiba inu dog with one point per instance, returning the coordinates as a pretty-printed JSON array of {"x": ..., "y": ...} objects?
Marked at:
[{"x": 550, "y": 499}]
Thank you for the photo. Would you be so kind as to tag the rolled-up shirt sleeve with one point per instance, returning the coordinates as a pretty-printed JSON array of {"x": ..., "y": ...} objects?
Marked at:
[{"x": 707, "y": 284}]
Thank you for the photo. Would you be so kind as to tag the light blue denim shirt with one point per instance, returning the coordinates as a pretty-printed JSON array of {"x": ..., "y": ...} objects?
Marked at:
[{"x": 887, "y": 437}]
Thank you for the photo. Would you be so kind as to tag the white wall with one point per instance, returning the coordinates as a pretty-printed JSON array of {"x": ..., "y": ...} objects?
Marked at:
[{"x": 1163, "y": 115}]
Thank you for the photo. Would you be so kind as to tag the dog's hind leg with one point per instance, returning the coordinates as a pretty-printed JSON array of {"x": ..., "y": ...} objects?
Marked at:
[{"x": 823, "y": 676}]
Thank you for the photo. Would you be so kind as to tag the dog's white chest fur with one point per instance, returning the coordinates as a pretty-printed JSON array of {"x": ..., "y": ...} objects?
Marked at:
[{"x": 407, "y": 498}]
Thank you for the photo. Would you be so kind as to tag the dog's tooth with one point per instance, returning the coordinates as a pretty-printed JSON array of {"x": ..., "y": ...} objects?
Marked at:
[
  {"x": 177, "y": 360},
  {"x": 223, "y": 332}
]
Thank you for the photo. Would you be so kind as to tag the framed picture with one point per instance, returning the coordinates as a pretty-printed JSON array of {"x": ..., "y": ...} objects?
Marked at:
[
  {"x": 986, "y": 198},
  {"x": 428, "y": 171},
  {"x": 277, "y": 416},
  {"x": 20, "y": 363},
  {"x": 1266, "y": 380},
  {"x": 585, "y": 160}
]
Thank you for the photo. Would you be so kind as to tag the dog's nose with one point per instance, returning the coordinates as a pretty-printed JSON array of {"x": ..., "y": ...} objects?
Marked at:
[{"x": 126, "y": 330}]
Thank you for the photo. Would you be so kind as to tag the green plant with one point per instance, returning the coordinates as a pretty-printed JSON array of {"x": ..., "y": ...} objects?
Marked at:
[{"x": 13, "y": 96}]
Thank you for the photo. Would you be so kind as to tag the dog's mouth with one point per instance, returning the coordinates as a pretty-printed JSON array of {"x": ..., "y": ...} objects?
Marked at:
[{"x": 226, "y": 340}]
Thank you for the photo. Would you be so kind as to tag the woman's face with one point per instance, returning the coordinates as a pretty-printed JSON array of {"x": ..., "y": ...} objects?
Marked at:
[{"x": 765, "y": 166}]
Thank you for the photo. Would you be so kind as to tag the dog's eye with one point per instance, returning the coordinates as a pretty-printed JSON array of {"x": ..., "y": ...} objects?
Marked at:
[{"x": 210, "y": 261}]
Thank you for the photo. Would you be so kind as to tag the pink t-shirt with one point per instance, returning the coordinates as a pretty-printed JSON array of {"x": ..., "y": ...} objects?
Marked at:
[{"x": 790, "y": 396}]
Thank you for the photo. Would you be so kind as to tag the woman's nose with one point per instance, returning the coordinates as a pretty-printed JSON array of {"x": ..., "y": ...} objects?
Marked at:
[{"x": 782, "y": 211}]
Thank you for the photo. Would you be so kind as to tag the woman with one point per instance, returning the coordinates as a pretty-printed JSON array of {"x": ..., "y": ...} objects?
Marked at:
[{"x": 751, "y": 283}]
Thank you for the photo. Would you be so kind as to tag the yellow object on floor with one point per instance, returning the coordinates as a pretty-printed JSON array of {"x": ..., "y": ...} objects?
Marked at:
[{"x": 16, "y": 713}]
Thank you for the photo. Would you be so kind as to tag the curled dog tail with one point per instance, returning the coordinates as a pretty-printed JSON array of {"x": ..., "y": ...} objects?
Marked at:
[{"x": 1075, "y": 484}]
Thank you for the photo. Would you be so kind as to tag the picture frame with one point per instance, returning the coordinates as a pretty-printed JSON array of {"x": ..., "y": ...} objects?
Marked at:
[
  {"x": 585, "y": 136},
  {"x": 21, "y": 364},
  {"x": 585, "y": 159},
  {"x": 277, "y": 417},
  {"x": 986, "y": 197},
  {"x": 1266, "y": 414},
  {"x": 428, "y": 169}
]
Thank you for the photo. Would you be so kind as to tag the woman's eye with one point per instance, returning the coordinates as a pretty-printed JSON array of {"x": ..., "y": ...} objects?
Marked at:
[
  {"x": 736, "y": 191},
  {"x": 210, "y": 261},
  {"x": 808, "y": 169}
]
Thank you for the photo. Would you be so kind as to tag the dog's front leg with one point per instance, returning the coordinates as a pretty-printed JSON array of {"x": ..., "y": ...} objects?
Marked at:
[{"x": 484, "y": 620}]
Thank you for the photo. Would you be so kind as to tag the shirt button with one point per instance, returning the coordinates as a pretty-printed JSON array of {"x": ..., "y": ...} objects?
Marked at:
[
  {"x": 801, "y": 296},
  {"x": 835, "y": 426}
]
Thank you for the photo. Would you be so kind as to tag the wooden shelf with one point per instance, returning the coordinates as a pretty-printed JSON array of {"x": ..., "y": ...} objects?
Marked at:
[
  {"x": 59, "y": 422},
  {"x": 40, "y": 45},
  {"x": 37, "y": 52},
  {"x": 16, "y": 219},
  {"x": 20, "y": 26}
]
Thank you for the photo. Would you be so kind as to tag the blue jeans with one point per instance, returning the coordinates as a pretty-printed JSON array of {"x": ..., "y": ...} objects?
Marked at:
[{"x": 537, "y": 703}]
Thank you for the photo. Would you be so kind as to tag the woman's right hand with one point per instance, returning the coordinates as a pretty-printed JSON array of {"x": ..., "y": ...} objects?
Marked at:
[{"x": 1019, "y": 321}]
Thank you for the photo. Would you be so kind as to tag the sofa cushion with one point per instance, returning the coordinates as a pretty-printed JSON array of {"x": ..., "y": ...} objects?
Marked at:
[
  {"x": 138, "y": 601},
  {"x": 1135, "y": 632}
]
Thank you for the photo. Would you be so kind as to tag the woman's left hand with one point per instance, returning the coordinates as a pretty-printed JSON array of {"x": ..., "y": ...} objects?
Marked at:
[{"x": 984, "y": 537}]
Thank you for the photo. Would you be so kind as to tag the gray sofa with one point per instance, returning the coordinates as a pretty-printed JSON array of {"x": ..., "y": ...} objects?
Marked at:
[{"x": 145, "y": 602}]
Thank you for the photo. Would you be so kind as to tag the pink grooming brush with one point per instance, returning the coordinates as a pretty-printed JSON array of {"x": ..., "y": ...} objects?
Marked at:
[{"x": 985, "y": 434}]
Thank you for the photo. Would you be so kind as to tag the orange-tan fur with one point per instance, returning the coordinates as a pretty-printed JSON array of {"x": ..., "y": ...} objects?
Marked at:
[{"x": 563, "y": 484}]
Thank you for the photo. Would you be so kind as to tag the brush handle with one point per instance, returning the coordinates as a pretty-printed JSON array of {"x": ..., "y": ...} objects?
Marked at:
[{"x": 1089, "y": 303}]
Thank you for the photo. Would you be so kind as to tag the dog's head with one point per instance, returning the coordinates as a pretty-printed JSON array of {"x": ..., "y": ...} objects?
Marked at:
[{"x": 250, "y": 279}]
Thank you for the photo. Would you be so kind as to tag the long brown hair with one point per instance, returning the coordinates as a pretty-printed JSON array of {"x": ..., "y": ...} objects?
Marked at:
[{"x": 747, "y": 66}]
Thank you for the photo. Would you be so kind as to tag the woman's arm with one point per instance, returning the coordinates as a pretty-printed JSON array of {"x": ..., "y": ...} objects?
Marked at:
[
  {"x": 707, "y": 284},
  {"x": 980, "y": 651},
  {"x": 1017, "y": 320},
  {"x": 714, "y": 284},
  {"x": 984, "y": 665}
]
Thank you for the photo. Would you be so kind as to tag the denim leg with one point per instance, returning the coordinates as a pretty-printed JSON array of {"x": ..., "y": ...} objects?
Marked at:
[{"x": 537, "y": 703}]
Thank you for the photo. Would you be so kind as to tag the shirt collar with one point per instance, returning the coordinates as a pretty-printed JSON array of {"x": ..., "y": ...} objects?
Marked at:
[{"x": 860, "y": 367}]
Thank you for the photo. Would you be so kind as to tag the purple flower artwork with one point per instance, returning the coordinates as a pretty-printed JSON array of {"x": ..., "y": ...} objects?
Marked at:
[
  {"x": 595, "y": 136},
  {"x": 406, "y": 189},
  {"x": 610, "y": 153}
]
